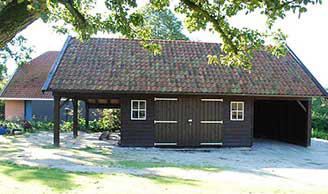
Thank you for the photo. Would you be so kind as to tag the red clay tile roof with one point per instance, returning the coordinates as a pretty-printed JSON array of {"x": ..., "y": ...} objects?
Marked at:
[
  {"x": 122, "y": 65},
  {"x": 28, "y": 79}
]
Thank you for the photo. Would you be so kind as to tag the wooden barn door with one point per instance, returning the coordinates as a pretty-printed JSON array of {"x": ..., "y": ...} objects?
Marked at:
[
  {"x": 210, "y": 114},
  {"x": 166, "y": 121},
  {"x": 188, "y": 133},
  {"x": 188, "y": 122}
]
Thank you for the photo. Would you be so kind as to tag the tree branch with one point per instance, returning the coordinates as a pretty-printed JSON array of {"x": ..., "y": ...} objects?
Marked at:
[
  {"x": 14, "y": 18},
  {"x": 75, "y": 12},
  {"x": 193, "y": 6}
]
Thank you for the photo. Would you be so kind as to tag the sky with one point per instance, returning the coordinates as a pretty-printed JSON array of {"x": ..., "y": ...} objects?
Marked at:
[{"x": 307, "y": 37}]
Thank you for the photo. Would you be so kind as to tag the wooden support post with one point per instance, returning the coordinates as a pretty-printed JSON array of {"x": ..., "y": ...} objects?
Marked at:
[
  {"x": 309, "y": 122},
  {"x": 86, "y": 115},
  {"x": 56, "y": 120},
  {"x": 75, "y": 117}
]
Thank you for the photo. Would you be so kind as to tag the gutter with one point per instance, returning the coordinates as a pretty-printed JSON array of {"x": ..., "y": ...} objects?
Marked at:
[
  {"x": 322, "y": 89},
  {"x": 54, "y": 67}
]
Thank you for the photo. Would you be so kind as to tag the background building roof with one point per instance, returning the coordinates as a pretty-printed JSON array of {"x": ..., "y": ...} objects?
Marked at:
[
  {"x": 28, "y": 79},
  {"x": 122, "y": 65}
]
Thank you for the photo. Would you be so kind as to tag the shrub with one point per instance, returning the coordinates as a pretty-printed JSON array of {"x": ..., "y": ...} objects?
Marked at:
[
  {"x": 109, "y": 120},
  {"x": 319, "y": 133},
  {"x": 320, "y": 113}
]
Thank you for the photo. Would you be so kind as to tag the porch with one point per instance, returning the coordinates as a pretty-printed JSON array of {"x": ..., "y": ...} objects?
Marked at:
[{"x": 91, "y": 101}]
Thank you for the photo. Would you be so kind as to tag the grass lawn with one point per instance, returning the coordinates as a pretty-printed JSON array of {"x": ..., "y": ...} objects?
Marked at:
[{"x": 16, "y": 179}]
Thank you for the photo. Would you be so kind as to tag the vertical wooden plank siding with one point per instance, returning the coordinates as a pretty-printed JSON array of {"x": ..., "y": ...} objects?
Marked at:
[
  {"x": 137, "y": 132},
  {"x": 283, "y": 120},
  {"x": 56, "y": 120},
  {"x": 165, "y": 111},
  {"x": 210, "y": 111},
  {"x": 238, "y": 133},
  {"x": 75, "y": 117},
  {"x": 185, "y": 133}
]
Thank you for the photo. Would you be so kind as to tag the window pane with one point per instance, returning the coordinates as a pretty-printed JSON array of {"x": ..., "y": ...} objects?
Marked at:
[
  {"x": 240, "y": 115},
  {"x": 240, "y": 106},
  {"x": 233, "y": 115},
  {"x": 142, "y": 114},
  {"x": 135, "y": 114},
  {"x": 135, "y": 104},
  {"x": 142, "y": 105},
  {"x": 233, "y": 106}
]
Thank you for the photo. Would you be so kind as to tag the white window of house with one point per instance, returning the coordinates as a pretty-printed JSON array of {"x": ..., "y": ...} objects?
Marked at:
[
  {"x": 138, "y": 109},
  {"x": 236, "y": 111}
]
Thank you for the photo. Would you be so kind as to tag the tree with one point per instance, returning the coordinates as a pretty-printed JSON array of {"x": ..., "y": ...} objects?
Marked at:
[
  {"x": 163, "y": 24},
  {"x": 18, "y": 50},
  {"x": 122, "y": 16}
]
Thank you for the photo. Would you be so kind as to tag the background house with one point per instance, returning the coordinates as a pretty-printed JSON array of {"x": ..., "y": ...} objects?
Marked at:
[
  {"x": 23, "y": 97},
  {"x": 22, "y": 94}
]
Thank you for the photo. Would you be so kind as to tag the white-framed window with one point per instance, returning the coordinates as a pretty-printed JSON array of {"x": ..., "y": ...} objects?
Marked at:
[
  {"x": 138, "y": 109},
  {"x": 236, "y": 111}
]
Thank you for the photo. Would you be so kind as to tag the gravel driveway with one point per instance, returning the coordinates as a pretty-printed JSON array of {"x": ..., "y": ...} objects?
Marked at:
[{"x": 267, "y": 162}]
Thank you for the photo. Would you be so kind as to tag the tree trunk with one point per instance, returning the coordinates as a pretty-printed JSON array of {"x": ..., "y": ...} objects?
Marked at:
[{"x": 14, "y": 18}]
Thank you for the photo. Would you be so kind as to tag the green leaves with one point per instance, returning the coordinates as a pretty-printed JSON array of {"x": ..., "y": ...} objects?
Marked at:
[
  {"x": 162, "y": 24},
  {"x": 121, "y": 16},
  {"x": 17, "y": 50}
]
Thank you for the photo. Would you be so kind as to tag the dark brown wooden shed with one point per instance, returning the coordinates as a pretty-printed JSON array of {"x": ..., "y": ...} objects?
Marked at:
[{"x": 178, "y": 99}]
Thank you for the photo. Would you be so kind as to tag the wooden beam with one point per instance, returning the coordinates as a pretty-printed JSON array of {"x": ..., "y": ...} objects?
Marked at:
[
  {"x": 56, "y": 120},
  {"x": 301, "y": 105},
  {"x": 87, "y": 115},
  {"x": 309, "y": 122},
  {"x": 63, "y": 103},
  {"x": 104, "y": 106},
  {"x": 75, "y": 117}
]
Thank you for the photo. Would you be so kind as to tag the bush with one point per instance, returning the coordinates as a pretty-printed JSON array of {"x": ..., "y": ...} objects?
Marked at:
[
  {"x": 109, "y": 120},
  {"x": 319, "y": 133},
  {"x": 320, "y": 113},
  {"x": 42, "y": 125}
]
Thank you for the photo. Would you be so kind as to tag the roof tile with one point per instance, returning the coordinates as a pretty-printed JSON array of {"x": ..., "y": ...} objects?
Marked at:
[
  {"x": 122, "y": 65},
  {"x": 28, "y": 79}
]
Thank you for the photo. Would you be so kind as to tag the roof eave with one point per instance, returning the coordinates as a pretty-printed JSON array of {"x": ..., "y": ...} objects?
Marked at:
[
  {"x": 83, "y": 91},
  {"x": 54, "y": 67}
]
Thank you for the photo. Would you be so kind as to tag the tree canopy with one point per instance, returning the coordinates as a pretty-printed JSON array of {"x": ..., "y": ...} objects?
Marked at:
[
  {"x": 122, "y": 16},
  {"x": 17, "y": 50},
  {"x": 163, "y": 24}
]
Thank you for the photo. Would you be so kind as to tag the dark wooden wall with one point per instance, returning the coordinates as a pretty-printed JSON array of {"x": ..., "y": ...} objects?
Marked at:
[
  {"x": 142, "y": 133},
  {"x": 283, "y": 120},
  {"x": 238, "y": 133},
  {"x": 137, "y": 132}
]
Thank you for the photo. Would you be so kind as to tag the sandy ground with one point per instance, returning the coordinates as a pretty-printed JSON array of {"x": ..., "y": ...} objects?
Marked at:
[{"x": 266, "y": 163}]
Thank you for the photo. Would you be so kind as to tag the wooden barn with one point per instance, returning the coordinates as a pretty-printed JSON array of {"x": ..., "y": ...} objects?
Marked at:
[{"x": 178, "y": 99}]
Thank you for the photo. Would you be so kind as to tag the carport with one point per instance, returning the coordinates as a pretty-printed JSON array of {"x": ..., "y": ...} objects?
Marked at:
[{"x": 287, "y": 120}]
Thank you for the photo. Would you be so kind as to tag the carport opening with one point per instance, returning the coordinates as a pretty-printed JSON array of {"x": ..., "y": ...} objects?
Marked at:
[{"x": 282, "y": 120}]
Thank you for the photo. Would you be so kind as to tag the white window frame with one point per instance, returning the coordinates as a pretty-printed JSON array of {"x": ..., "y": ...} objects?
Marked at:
[
  {"x": 237, "y": 111},
  {"x": 138, "y": 109}
]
